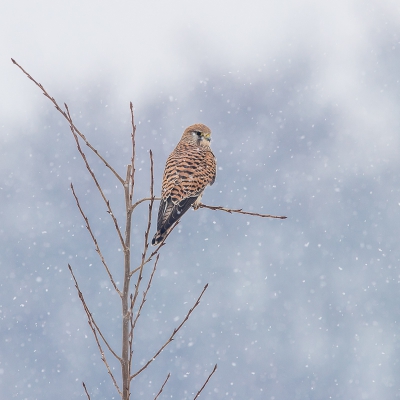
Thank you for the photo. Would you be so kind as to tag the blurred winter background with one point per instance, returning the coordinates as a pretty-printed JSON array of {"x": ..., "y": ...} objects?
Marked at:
[{"x": 303, "y": 100}]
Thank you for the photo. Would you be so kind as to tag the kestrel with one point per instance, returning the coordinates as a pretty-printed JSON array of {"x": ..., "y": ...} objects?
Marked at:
[{"x": 189, "y": 169}]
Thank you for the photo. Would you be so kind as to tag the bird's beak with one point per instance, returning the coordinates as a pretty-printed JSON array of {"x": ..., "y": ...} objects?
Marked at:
[{"x": 207, "y": 137}]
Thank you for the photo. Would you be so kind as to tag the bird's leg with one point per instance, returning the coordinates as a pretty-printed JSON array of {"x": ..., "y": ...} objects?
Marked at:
[{"x": 196, "y": 204}]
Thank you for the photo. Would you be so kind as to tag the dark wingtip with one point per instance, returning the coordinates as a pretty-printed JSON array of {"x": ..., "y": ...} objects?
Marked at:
[{"x": 156, "y": 239}]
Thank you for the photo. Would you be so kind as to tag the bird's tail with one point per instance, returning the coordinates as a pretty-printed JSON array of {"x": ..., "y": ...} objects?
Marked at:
[{"x": 159, "y": 237}]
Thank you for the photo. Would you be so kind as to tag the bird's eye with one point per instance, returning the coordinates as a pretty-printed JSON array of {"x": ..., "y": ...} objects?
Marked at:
[{"x": 198, "y": 133}]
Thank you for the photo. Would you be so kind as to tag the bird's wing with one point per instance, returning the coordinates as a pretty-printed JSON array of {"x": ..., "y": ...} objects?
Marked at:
[{"x": 212, "y": 167}]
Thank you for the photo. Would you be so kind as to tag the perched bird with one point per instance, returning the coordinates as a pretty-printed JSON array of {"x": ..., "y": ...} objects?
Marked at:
[{"x": 189, "y": 169}]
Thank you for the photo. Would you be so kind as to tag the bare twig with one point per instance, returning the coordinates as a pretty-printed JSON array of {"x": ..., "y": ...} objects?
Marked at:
[
  {"x": 145, "y": 248},
  {"x": 132, "y": 176},
  {"x": 95, "y": 330},
  {"x": 162, "y": 387},
  {"x": 126, "y": 310},
  {"x": 65, "y": 115},
  {"x": 133, "y": 301},
  {"x": 219, "y": 208},
  {"x": 239, "y": 211},
  {"x": 96, "y": 182},
  {"x": 131, "y": 334},
  {"x": 87, "y": 393},
  {"x": 95, "y": 241},
  {"x": 147, "y": 232},
  {"x": 146, "y": 245},
  {"x": 205, "y": 383},
  {"x": 145, "y": 293},
  {"x": 171, "y": 338},
  {"x": 144, "y": 199}
]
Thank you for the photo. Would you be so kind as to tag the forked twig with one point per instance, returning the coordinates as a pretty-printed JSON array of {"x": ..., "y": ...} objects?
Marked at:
[
  {"x": 162, "y": 387},
  {"x": 205, "y": 383},
  {"x": 95, "y": 241},
  {"x": 171, "y": 338},
  {"x": 239, "y": 211},
  {"x": 95, "y": 330}
]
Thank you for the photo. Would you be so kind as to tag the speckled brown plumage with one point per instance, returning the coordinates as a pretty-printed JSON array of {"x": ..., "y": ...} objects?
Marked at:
[{"x": 189, "y": 169}]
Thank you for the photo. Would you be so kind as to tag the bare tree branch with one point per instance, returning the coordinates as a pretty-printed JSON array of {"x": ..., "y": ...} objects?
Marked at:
[
  {"x": 171, "y": 338},
  {"x": 205, "y": 383},
  {"x": 132, "y": 176},
  {"x": 147, "y": 232},
  {"x": 87, "y": 393},
  {"x": 131, "y": 334},
  {"x": 219, "y": 208},
  {"x": 95, "y": 241},
  {"x": 144, "y": 199},
  {"x": 95, "y": 330},
  {"x": 145, "y": 293},
  {"x": 162, "y": 387},
  {"x": 96, "y": 182},
  {"x": 239, "y": 211},
  {"x": 126, "y": 310},
  {"x": 65, "y": 115}
]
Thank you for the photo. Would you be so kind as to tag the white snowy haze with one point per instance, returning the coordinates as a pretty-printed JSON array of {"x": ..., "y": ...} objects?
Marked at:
[{"x": 303, "y": 100}]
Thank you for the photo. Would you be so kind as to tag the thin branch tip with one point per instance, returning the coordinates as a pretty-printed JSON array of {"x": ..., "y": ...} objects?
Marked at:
[
  {"x": 205, "y": 383},
  {"x": 162, "y": 387},
  {"x": 86, "y": 391},
  {"x": 240, "y": 211}
]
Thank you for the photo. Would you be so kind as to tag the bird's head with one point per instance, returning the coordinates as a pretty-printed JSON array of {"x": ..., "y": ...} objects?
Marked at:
[{"x": 198, "y": 133}]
